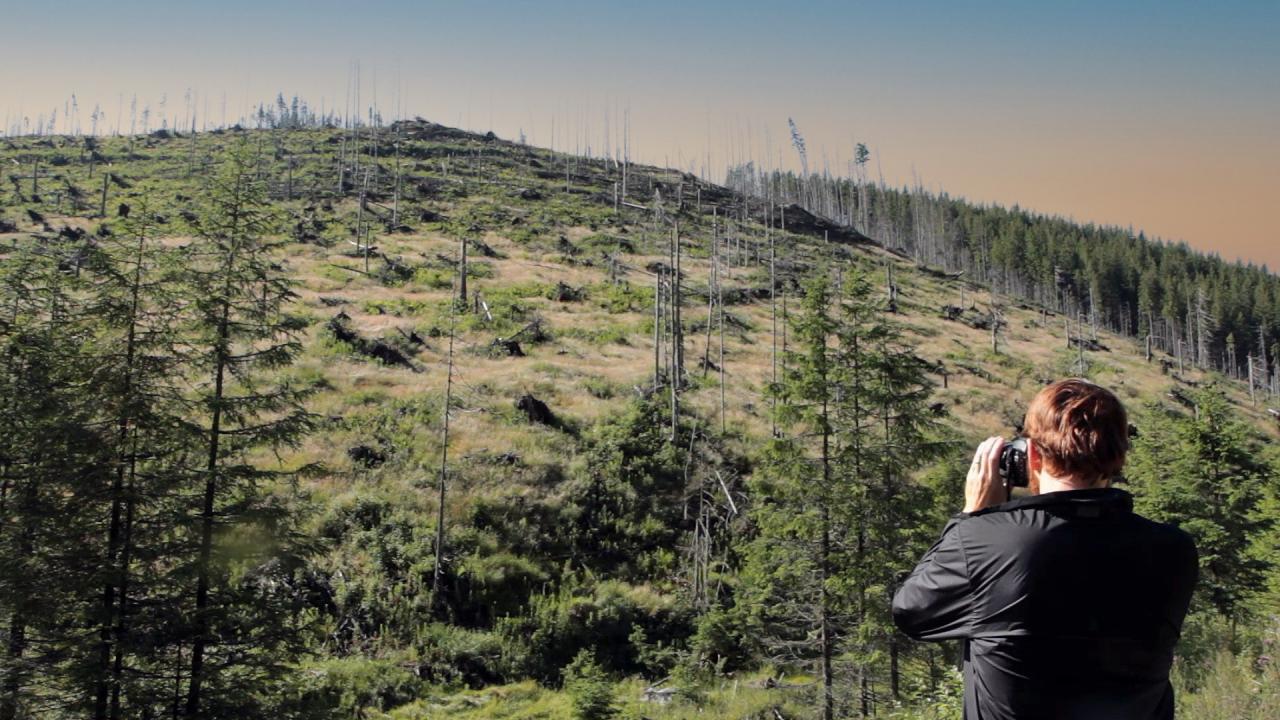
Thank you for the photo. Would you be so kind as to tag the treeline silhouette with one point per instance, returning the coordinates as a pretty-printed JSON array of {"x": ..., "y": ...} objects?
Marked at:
[{"x": 1212, "y": 313}]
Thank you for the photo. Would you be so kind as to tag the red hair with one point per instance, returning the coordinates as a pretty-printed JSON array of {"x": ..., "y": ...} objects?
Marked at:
[{"x": 1080, "y": 429}]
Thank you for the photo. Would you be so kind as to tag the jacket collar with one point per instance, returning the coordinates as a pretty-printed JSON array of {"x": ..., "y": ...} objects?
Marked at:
[{"x": 1108, "y": 499}]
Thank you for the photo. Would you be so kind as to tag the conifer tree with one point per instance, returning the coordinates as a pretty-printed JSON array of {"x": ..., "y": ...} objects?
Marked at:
[
  {"x": 240, "y": 330},
  {"x": 135, "y": 300},
  {"x": 800, "y": 516},
  {"x": 1205, "y": 474},
  {"x": 840, "y": 503},
  {"x": 50, "y": 468},
  {"x": 887, "y": 432}
]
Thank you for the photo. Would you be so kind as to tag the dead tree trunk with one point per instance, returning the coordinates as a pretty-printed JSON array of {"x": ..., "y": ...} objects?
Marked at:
[
  {"x": 773, "y": 318},
  {"x": 995, "y": 330},
  {"x": 891, "y": 289},
  {"x": 1264, "y": 369},
  {"x": 1253, "y": 400},
  {"x": 1093, "y": 313},
  {"x": 711, "y": 297},
  {"x": 395, "y": 205},
  {"x": 462, "y": 271},
  {"x": 437, "y": 572},
  {"x": 677, "y": 341},
  {"x": 342, "y": 164},
  {"x": 783, "y": 229},
  {"x": 1080, "y": 342},
  {"x": 657, "y": 329},
  {"x": 720, "y": 310},
  {"x": 364, "y": 189}
]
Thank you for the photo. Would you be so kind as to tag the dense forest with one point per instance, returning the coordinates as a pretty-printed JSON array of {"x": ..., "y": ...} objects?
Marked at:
[
  {"x": 363, "y": 421},
  {"x": 1196, "y": 307}
]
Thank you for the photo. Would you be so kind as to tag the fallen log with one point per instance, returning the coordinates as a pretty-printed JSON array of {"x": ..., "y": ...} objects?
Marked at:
[{"x": 340, "y": 326}]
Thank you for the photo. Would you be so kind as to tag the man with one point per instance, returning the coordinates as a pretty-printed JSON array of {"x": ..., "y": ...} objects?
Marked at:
[{"x": 1068, "y": 603}]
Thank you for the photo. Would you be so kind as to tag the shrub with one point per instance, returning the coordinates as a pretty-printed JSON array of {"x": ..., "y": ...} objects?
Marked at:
[
  {"x": 611, "y": 333},
  {"x": 720, "y": 642},
  {"x": 498, "y": 583},
  {"x": 589, "y": 689},
  {"x": 350, "y": 687},
  {"x": 1231, "y": 687},
  {"x": 945, "y": 702},
  {"x": 621, "y": 297},
  {"x": 452, "y": 656},
  {"x": 433, "y": 278},
  {"x": 599, "y": 388},
  {"x": 630, "y": 628},
  {"x": 398, "y": 307}
]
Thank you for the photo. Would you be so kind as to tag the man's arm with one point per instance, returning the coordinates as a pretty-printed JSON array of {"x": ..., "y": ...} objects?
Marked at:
[
  {"x": 1186, "y": 578},
  {"x": 935, "y": 602}
]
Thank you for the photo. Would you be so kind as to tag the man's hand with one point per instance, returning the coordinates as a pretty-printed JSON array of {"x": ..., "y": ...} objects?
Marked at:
[{"x": 983, "y": 487}]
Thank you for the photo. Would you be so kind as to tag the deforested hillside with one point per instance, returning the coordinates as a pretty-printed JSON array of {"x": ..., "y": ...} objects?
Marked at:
[{"x": 412, "y": 422}]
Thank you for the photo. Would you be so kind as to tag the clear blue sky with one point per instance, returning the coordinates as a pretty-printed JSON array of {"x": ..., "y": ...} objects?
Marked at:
[{"x": 1160, "y": 115}]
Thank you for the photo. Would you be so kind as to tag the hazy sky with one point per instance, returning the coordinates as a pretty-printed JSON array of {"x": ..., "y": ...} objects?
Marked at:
[{"x": 1161, "y": 115}]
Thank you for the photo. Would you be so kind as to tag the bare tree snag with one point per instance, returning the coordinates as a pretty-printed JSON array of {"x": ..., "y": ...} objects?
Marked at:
[
  {"x": 773, "y": 318},
  {"x": 657, "y": 329},
  {"x": 438, "y": 571},
  {"x": 462, "y": 271}
]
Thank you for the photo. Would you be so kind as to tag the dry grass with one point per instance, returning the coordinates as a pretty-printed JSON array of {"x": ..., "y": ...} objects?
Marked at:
[{"x": 564, "y": 371}]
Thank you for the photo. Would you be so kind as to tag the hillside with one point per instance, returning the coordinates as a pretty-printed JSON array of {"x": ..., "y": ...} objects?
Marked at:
[
  {"x": 531, "y": 229},
  {"x": 552, "y": 351}
]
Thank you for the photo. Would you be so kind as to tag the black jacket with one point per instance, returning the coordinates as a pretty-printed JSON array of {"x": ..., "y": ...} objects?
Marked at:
[{"x": 1069, "y": 605}]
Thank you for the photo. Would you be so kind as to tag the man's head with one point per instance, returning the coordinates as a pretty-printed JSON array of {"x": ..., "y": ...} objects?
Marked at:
[{"x": 1079, "y": 433}]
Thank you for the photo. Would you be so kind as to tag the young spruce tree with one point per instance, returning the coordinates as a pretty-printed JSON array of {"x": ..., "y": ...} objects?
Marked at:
[
  {"x": 240, "y": 333},
  {"x": 1204, "y": 473},
  {"x": 51, "y": 470},
  {"x": 887, "y": 433},
  {"x": 836, "y": 502},
  {"x": 134, "y": 296}
]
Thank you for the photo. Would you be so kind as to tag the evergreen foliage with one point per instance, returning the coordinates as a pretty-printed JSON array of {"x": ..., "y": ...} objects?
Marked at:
[
  {"x": 119, "y": 573},
  {"x": 1205, "y": 472},
  {"x": 239, "y": 328},
  {"x": 589, "y": 688},
  {"x": 836, "y": 505}
]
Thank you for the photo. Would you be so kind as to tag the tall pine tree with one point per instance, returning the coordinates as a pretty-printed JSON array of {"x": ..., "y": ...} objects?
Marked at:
[
  {"x": 135, "y": 297},
  {"x": 836, "y": 503},
  {"x": 240, "y": 332},
  {"x": 51, "y": 472}
]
